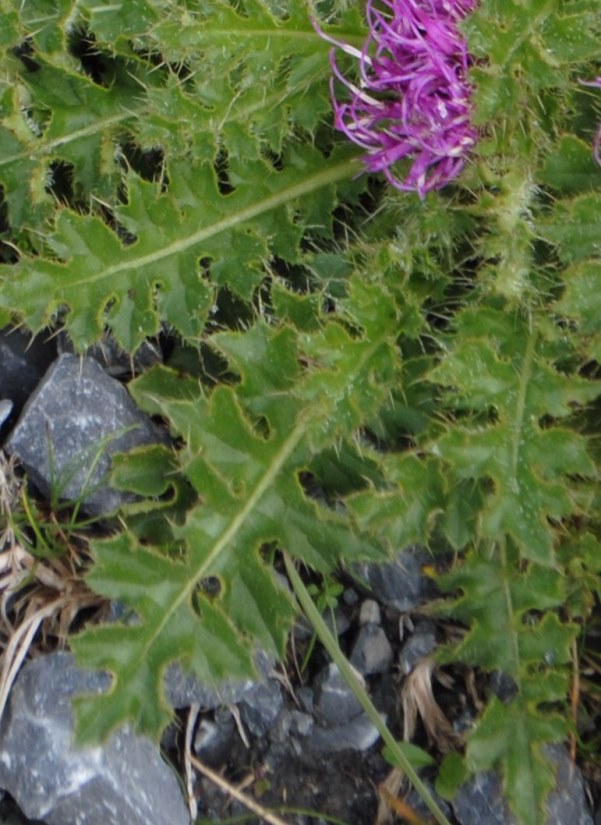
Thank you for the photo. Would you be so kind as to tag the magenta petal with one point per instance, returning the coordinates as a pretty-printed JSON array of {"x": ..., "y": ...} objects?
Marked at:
[{"x": 413, "y": 99}]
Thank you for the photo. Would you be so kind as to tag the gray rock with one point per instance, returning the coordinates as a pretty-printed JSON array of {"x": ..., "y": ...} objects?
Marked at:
[
  {"x": 358, "y": 735},
  {"x": 183, "y": 689},
  {"x": 23, "y": 362},
  {"x": 114, "y": 360},
  {"x": 370, "y": 612},
  {"x": 350, "y": 597},
  {"x": 260, "y": 706},
  {"x": 72, "y": 424},
  {"x": 124, "y": 780},
  {"x": 301, "y": 724},
  {"x": 303, "y": 629},
  {"x": 337, "y": 621},
  {"x": 419, "y": 645},
  {"x": 215, "y": 738},
  {"x": 400, "y": 584},
  {"x": 6, "y": 407},
  {"x": 372, "y": 652},
  {"x": 334, "y": 702},
  {"x": 291, "y": 723},
  {"x": 567, "y": 803},
  {"x": 480, "y": 801},
  {"x": 304, "y": 697}
]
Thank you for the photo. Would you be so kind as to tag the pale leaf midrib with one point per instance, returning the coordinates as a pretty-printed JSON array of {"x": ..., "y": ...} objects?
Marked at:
[
  {"x": 43, "y": 147},
  {"x": 236, "y": 524},
  {"x": 229, "y": 534},
  {"x": 330, "y": 175}
]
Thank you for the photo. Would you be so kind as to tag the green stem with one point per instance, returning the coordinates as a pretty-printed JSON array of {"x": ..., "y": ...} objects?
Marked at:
[{"x": 345, "y": 668}]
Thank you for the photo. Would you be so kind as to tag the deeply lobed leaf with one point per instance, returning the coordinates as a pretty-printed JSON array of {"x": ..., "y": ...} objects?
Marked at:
[
  {"x": 245, "y": 450},
  {"x": 100, "y": 281}
]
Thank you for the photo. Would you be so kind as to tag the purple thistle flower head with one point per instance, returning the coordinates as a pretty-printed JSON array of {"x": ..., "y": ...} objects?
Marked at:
[{"x": 413, "y": 97}]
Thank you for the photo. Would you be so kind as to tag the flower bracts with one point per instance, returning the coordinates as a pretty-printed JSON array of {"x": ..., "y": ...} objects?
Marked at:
[{"x": 412, "y": 103}]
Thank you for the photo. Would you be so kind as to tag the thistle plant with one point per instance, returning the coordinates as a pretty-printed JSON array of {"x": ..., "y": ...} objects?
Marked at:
[{"x": 427, "y": 355}]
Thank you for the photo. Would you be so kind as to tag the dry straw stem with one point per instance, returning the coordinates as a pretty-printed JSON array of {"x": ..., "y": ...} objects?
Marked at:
[
  {"x": 391, "y": 805},
  {"x": 189, "y": 775},
  {"x": 230, "y": 789},
  {"x": 36, "y": 597},
  {"x": 418, "y": 701}
]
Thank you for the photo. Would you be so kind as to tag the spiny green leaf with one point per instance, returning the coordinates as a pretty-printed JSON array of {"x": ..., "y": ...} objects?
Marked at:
[
  {"x": 348, "y": 377},
  {"x": 300, "y": 310},
  {"x": 523, "y": 47},
  {"x": 123, "y": 18},
  {"x": 252, "y": 74},
  {"x": 134, "y": 287},
  {"x": 152, "y": 473},
  {"x": 9, "y": 32},
  {"x": 582, "y": 298},
  {"x": 574, "y": 227},
  {"x": 505, "y": 737},
  {"x": 160, "y": 590},
  {"x": 502, "y": 607},
  {"x": 55, "y": 115},
  {"x": 571, "y": 168},
  {"x": 405, "y": 512},
  {"x": 508, "y": 244},
  {"x": 245, "y": 448},
  {"x": 47, "y": 22},
  {"x": 526, "y": 462},
  {"x": 145, "y": 470},
  {"x": 495, "y": 601}
]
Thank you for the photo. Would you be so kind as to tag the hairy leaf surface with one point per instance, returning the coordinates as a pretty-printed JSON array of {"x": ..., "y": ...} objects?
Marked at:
[
  {"x": 506, "y": 633},
  {"x": 245, "y": 450},
  {"x": 132, "y": 287},
  {"x": 499, "y": 371}
]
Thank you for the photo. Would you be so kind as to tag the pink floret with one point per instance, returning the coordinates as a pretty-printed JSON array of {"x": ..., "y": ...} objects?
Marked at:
[{"x": 413, "y": 98}]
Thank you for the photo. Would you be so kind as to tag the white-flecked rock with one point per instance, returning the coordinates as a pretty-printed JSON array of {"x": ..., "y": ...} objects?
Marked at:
[
  {"x": 122, "y": 781},
  {"x": 75, "y": 420}
]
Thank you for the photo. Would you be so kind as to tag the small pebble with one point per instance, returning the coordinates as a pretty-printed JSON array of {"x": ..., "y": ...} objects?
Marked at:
[
  {"x": 372, "y": 652},
  {"x": 370, "y": 612}
]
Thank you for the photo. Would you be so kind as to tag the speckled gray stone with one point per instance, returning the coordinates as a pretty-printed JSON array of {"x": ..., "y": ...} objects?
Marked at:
[
  {"x": 334, "y": 701},
  {"x": 183, "y": 689},
  {"x": 421, "y": 643},
  {"x": 357, "y": 735},
  {"x": 259, "y": 707},
  {"x": 23, "y": 361},
  {"x": 6, "y": 407},
  {"x": 372, "y": 652},
  {"x": 369, "y": 612},
  {"x": 481, "y": 801},
  {"x": 123, "y": 781},
  {"x": 400, "y": 584},
  {"x": 72, "y": 424},
  {"x": 215, "y": 738}
]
